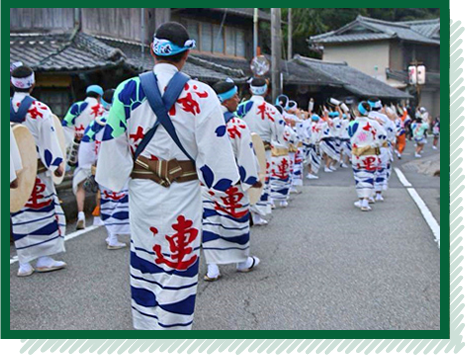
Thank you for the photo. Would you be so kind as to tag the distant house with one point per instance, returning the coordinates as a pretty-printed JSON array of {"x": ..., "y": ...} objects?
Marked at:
[{"x": 384, "y": 50}]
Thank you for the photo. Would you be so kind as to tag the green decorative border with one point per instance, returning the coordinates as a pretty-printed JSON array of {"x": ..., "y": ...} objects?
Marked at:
[{"x": 368, "y": 341}]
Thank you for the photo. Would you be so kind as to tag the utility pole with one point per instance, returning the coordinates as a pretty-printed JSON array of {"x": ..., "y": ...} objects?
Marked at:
[
  {"x": 276, "y": 52},
  {"x": 255, "y": 32},
  {"x": 289, "y": 34}
]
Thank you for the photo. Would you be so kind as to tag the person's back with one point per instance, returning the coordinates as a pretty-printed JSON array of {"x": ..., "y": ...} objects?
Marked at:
[{"x": 164, "y": 193}]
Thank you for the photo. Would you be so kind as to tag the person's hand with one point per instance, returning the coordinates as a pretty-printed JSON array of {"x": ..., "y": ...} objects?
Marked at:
[
  {"x": 59, "y": 171},
  {"x": 257, "y": 185},
  {"x": 14, "y": 184}
]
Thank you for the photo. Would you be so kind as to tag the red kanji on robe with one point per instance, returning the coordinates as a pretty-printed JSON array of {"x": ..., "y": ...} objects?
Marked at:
[
  {"x": 283, "y": 170},
  {"x": 111, "y": 195},
  {"x": 34, "y": 112},
  {"x": 231, "y": 203},
  {"x": 263, "y": 111},
  {"x": 179, "y": 245},
  {"x": 37, "y": 195}
]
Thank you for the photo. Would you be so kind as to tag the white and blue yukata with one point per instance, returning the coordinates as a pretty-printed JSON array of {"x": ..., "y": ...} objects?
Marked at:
[
  {"x": 335, "y": 129},
  {"x": 391, "y": 131},
  {"x": 313, "y": 156},
  {"x": 114, "y": 205},
  {"x": 166, "y": 222},
  {"x": 226, "y": 227},
  {"x": 265, "y": 120},
  {"x": 39, "y": 227},
  {"x": 76, "y": 120},
  {"x": 328, "y": 143},
  {"x": 364, "y": 139},
  {"x": 306, "y": 140},
  {"x": 280, "y": 178},
  {"x": 297, "y": 167},
  {"x": 346, "y": 149},
  {"x": 381, "y": 181}
]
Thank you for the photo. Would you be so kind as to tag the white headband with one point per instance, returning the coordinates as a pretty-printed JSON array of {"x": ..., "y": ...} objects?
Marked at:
[
  {"x": 259, "y": 90},
  {"x": 23, "y": 83}
]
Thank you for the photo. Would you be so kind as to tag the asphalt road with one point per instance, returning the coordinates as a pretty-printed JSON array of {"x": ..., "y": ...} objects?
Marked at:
[{"x": 325, "y": 265}]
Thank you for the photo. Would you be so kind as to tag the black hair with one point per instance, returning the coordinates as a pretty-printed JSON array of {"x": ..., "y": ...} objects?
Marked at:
[
  {"x": 108, "y": 95},
  {"x": 93, "y": 94},
  {"x": 21, "y": 72},
  {"x": 223, "y": 86},
  {"x": 176, "y": 33},
  {"x": 258, "y": 82},
  {"x": 279, "y": 108}
]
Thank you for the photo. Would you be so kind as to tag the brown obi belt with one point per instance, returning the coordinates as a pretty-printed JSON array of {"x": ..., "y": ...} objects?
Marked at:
[
  {"x": 293, "y": 148},
  {"x": 385, "y": 145},
  {"x": 367, "y": 150},
  {"x": 41, "y": 167},
  {"x": 279, "y": 152},
  {"x": 164, "y": 172},
  {"x": 300, "y": 145},
  {"x": 267, "y": 145}
]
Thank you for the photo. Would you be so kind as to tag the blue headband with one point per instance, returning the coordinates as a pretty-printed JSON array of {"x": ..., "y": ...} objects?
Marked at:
[
  {"x": 95, "y": 88},
  {"x": 344, "y": 115},
  {"x": 164, "y": 47},
  {"x": 228, "y": 94},
  {"x": 315, "y": 117},
  {"x": 259, "y": 90},
  {"x": 362, "y": 109},
  {"x": 333, "y": 114}
]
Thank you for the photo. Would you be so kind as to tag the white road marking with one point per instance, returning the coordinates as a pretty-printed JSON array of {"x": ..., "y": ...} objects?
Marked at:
[
  {"x": 427, "y": 215},
  {"x": 67, "y": 237}
]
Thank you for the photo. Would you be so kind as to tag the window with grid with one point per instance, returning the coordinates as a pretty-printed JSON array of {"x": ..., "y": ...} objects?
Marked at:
[
  {"x": 212, "y": 38},
  {"x": 58, "y": 100}
]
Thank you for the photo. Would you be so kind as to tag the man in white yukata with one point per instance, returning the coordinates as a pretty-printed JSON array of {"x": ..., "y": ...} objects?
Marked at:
[
  {"x": 166, "y": 153},
  {"x": 79, "y": 115},
  {"x": 114, "y": 206},
  {"x": 313, "y": 160},
  {"x": 363, "y": 133},
  {"x": 15, "y": 161},
  {"x": 385, "y": 156},
  {"x": 262, "y": 118},
  {"x": 39, "y": 227},
  {"x": 226, "y": 228}
]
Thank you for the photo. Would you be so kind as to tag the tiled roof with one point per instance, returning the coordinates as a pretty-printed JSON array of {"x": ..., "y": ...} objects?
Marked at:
[
  {"x": 195, "y": 67},
  {"x": 352, "y": 79},
  {"x": 80, "y": 52},
  {"x": 61, "y": 52},
  {"x": 368, "y": 29},
  {"x": 293, "y": 73}
]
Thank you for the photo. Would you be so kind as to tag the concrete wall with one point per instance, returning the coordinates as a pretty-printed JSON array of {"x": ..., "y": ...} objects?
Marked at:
[
  {"x": 430, "y": 99},
  {"x": 362, "y": 56}
]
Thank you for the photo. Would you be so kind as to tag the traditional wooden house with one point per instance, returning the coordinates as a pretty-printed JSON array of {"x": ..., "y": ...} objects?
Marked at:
[{"x": 384, "y": 50}]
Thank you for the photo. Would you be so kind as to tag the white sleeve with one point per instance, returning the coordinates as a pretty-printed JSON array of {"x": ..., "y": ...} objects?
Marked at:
[
  {"x": 215, "y": 161},
  {"x": 49, "y": 147},
  {"x": 245, "y": 156}
]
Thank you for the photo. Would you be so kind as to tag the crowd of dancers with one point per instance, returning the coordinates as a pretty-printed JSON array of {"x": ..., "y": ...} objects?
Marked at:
[{"x": 172, "y": 161}]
